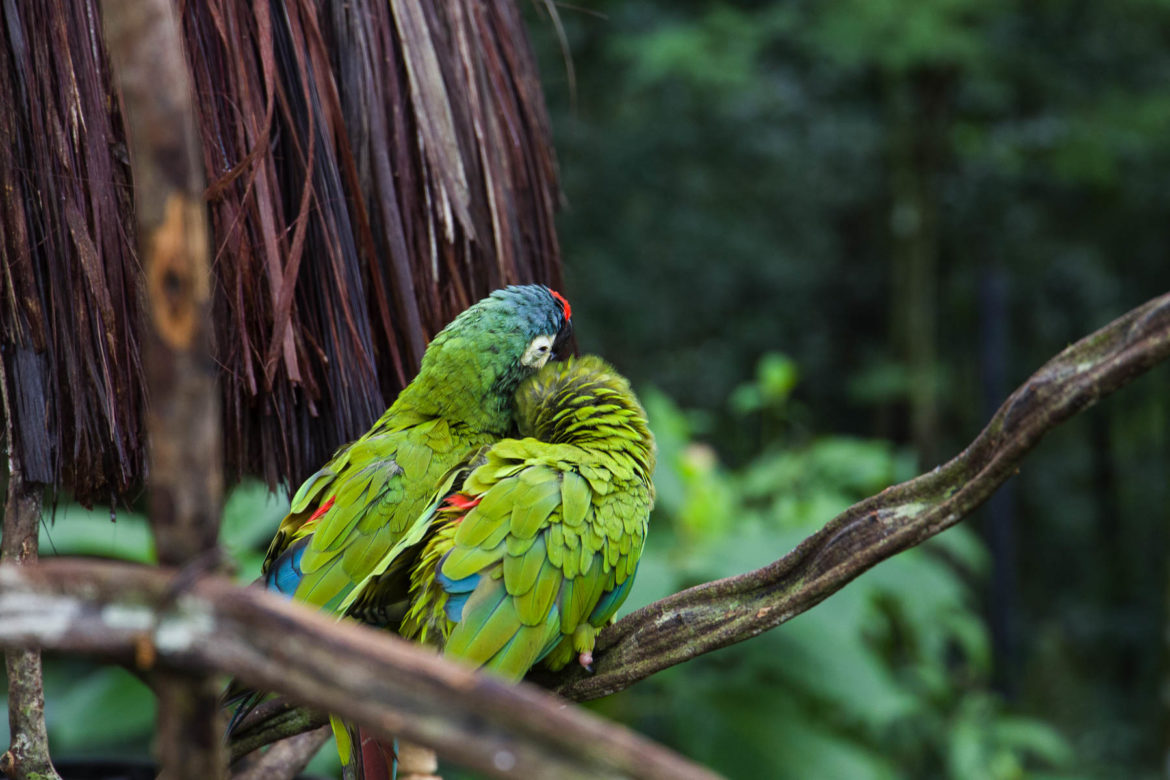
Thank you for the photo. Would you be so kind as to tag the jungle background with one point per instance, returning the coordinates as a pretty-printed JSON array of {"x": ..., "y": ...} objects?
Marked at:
[{"x": 825, "y": 241}]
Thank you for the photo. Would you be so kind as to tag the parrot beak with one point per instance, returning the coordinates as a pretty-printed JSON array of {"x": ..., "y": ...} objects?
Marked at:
[{"x": 563, "y": 344}]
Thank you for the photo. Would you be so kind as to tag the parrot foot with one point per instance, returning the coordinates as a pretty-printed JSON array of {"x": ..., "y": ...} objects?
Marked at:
[{"x": 586, "y": 661}]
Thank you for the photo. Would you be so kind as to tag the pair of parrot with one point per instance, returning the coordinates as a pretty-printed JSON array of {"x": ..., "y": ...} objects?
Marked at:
[{"x": 496, "y": 511}]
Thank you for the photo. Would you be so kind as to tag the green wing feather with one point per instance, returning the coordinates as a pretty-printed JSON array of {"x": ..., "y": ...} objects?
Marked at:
[{"x": 357, "y": 510}]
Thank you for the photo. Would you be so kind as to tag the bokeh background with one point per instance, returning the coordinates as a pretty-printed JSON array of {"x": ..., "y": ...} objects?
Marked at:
[{"x": 826, "y": 240}]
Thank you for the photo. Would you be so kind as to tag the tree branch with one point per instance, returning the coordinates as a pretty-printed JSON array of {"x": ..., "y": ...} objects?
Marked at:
[
  {"x": 716, "y": 614},
  {"x": 271, "y": 721},
  {"x": 391, "y": 687},
  {"x": 396, "y": 689},
  {"x": 286, "y": 758}
]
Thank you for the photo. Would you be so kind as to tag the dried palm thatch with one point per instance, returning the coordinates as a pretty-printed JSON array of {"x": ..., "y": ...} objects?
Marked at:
[{"x": 374, "y": 167}]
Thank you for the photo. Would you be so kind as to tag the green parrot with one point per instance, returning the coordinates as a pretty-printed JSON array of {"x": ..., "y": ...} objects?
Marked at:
[
  {"x": 352, "y": 514},
  {"x": 529, "y": 546},
  {"x": 532, "y": 543}
]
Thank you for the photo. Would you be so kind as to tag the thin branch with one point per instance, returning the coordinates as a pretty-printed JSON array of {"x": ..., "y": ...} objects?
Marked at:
[
  {"x": 721, "y": 613},
  {"x": 186, "y": 472},
  {"x": 286, "y": 758},
  {"x": 390, "y": 687},
  {"x": 272, "y": 721},
  {"x": 28, "y": 755}
]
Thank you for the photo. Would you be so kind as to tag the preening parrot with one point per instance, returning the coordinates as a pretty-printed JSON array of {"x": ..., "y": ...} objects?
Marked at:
[
  {"x": 531, "y": 544},
  {"x": 346, "y": 518},
  {"x": 351, "y": 515}
]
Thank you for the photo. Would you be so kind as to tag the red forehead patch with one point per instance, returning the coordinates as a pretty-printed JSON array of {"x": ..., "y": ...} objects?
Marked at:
[{"x": 564, "y": 304}]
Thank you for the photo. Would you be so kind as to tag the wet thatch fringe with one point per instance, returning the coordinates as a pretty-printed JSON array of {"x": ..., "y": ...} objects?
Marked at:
[{"x": 374, "y": 167}]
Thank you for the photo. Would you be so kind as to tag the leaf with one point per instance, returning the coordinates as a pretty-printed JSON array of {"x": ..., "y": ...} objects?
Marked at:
[
  {"x": 251, "y": 516},
  {"x": 1034, "y": 737},
  {"x": 105, "y": 708},
  {"x": 75, "y": 530},
  {"x": 965, "y": 547}
]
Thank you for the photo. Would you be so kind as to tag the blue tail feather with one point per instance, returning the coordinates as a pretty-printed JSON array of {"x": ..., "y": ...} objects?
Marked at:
[
  {"x": 458, "y": 592},
  {"x": 285, "y": 574},
  {"x": 609, "y": 602}
]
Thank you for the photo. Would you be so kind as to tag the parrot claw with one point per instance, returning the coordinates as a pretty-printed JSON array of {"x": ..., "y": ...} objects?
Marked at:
[{"x": 586, "y": 661}]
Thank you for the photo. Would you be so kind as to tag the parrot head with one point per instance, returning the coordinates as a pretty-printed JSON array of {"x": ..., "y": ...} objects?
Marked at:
[
  {"x": 606, "y": 415},
  {"x": 474, "y": 365},
  {"x": 530, "y": 320}
]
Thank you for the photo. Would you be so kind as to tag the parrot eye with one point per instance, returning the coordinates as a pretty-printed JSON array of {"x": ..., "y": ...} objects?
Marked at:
[{"x": 538, "y": 352}]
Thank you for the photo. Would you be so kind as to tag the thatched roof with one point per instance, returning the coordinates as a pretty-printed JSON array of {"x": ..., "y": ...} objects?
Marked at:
[{"x": 374, "y": 166}]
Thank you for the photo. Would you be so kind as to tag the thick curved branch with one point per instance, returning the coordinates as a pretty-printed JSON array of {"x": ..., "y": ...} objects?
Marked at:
[
  {"x": 391, "y": 687},
  {"x": 273, "y": 720},
  {"x": 721, "y": 613}
]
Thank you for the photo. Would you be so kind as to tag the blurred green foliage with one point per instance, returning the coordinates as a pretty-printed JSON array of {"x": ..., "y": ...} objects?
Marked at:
[{"x": 728, "y": 170}]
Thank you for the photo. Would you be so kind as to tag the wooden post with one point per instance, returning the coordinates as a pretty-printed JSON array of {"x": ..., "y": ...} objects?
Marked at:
[{"x": 183, "y": 418}]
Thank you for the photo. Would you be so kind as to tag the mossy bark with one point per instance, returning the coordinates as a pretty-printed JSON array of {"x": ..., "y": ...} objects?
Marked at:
[{"x": 28, "y": 755}]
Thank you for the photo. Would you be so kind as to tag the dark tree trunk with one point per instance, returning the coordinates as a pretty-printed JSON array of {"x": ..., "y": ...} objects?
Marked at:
[
  {"x": 918, "y": 105},
  {"x": 1000, "y": 513}
]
